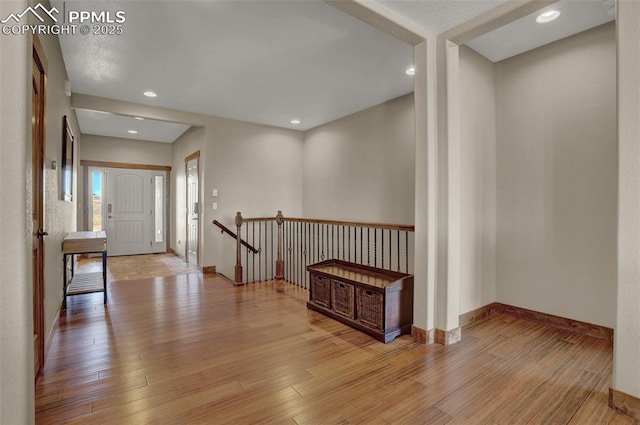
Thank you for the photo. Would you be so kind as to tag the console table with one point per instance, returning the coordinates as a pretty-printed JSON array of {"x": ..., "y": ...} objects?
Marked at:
[
  {"x": 375, "y": 301},
  {"x": 84, "y": 283}
]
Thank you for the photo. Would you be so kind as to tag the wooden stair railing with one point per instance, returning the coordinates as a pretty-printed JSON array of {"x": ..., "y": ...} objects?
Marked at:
[
  {"x": 239, "y": 244},
  {"x": 225, "y": 229},
  {"x": 298, "y": 242}
]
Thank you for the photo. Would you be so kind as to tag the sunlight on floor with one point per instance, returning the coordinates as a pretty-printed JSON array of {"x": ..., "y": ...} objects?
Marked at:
[{"x": 133, "y": 267}]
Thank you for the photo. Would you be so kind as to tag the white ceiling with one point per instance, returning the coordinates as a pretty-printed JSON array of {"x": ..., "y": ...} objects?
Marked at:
[
  {"x": 271, "y": 61},
  {"x": 438, "y": 16},
  {"x": 112, "y": 125},
  {"x": 526, "y": 34},
  {"x": 265, "y": 62}
]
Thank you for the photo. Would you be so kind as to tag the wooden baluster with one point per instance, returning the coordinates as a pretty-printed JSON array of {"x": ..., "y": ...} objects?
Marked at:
[
  {"x": 279, "y": 260},
  {"x": 238, "y": 250},
  {"x": 398, "y": 236},
  {"x": 382, "y": 250},
  {"x": 368, "y": 246},
  {"x": 406, "y": 252},
  {"x": 390, "y": 250},
  {"x": 375, "y": 247}
]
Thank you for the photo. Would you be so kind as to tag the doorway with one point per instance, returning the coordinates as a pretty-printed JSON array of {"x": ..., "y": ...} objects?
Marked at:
[
  {"x": 38, "y": 93},
  {"x": 129, "y": 204},
  {"x": 193, "y": 207}
]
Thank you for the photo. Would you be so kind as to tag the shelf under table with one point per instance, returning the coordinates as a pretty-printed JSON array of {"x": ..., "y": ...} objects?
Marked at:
[{"x": 85, "y": 283}]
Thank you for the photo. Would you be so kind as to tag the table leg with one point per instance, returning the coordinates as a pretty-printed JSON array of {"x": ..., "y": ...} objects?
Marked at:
[
  {"x": 104, "y": 274},
  {"x": 64, "y": 281}
]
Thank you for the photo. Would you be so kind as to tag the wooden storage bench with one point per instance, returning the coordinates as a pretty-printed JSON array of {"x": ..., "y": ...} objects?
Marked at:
[{"x": 376, "y": 301}]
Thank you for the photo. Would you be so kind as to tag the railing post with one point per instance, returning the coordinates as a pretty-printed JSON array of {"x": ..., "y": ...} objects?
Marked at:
[
  {"x": 279, "y": 261},
  {"x": 238, "y": 250}
]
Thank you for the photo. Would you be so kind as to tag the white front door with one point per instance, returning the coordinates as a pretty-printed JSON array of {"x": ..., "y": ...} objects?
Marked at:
[{"x": 131, "y": 205}]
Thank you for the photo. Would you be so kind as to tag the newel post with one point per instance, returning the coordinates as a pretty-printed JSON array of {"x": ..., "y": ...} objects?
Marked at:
[
  {"x": 279, "y": 261},
  {"x": 238, "y": 248}
]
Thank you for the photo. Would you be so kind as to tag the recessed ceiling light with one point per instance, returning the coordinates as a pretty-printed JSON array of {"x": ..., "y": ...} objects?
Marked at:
[
  {"x": 139, "y": 118},
  {"x": 150, "y": 94},
  {"x": 133, "y": 131},
  {"x": 548, "y": 16},
  {"x": 410, "y": 71},
  {"x": 295, "y": 121}
]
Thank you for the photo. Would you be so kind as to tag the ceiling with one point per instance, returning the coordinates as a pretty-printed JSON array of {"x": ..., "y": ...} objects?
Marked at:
[
  {"x": 266, "y": 62},
  {"x": 526, "y": 34},
  {"x": 112, "y": 125},
  {"x": 271, "y": 61},
  {"x": 438, "y": 16}
]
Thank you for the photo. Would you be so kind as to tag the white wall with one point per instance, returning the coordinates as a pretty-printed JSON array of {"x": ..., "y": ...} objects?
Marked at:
[
  {"x": 361, "y": 167},
  {"x": 556, "y": 178},
  {"x": 477, "y": 181},
  {"x": 16, "y": 347},
  {"x": 115, "y": 149}
]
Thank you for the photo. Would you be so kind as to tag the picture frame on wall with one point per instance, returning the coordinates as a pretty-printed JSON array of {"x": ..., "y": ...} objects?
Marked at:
[{"x": 66, "y": 184}]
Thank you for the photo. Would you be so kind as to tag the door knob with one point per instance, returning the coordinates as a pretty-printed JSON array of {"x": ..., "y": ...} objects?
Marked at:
[{"x": 41, "y": 233}]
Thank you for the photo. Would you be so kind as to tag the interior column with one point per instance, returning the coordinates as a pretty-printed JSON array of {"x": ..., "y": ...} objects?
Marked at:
[{"x": 624, "y": 393}]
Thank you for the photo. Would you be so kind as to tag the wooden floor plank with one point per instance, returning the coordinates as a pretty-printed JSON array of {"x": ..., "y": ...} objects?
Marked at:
[{"x": 188, "y": 348}]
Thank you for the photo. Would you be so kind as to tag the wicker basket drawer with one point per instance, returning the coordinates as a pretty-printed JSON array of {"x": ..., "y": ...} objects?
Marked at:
[
  {"x": 375, "y": 301},
  {"x": 342, "y": 296},
  {"x": 321, "y": 290},
  {"x": 370, "y": 306}
]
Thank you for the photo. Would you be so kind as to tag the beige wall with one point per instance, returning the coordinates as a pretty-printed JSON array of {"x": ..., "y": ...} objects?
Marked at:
[
  {"x": 361, "y": 167},
  {"x": 257, "y": 170},
  {"x": 115, "y": 149},
  {"x": 478, "y": 181},
  {"x": 556, "y": 178}
]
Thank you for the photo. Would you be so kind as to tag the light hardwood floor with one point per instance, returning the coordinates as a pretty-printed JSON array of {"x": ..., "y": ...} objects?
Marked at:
[
  {"x": 136, "y": 267},
  {"x": 191, "y": 349}
]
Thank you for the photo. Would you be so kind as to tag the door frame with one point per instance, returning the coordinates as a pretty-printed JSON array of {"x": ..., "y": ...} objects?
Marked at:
[
  {"x": 194, "y": 156},
  {"x": 85, "y": 164},
  {"x": 38, "y": 144}
]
